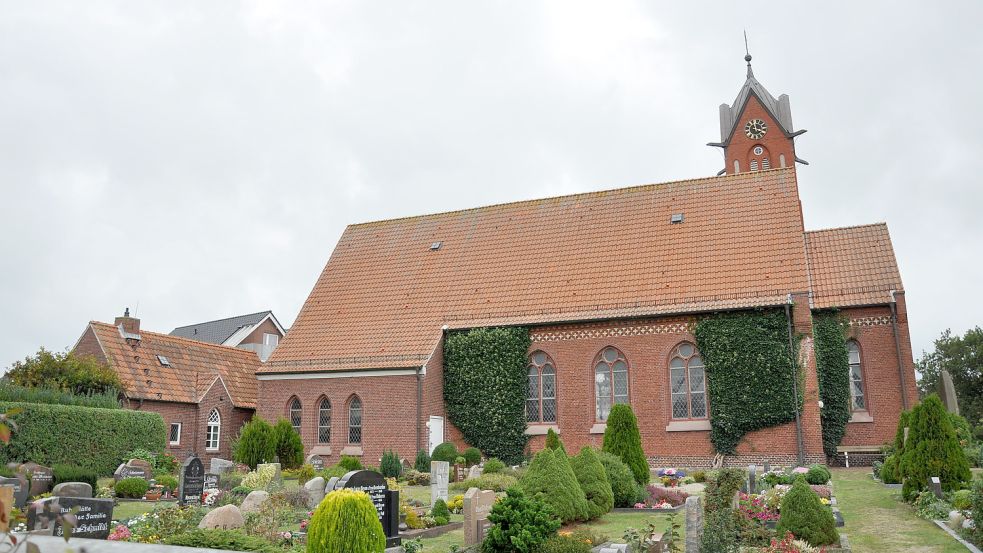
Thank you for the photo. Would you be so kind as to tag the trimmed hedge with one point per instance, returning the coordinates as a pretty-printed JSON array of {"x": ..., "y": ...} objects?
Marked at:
[
  {"x": 71, "y": 473},
  {"x": 134, "y": 488},
  {"x": 621, "y": 437},
  {"x": 833, "y": 371},
  {"x": 446, "y": 451},
  {"x": 89, "y": 437}
]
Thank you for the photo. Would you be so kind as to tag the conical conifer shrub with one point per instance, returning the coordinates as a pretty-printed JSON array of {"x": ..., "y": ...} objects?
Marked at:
[
  {"x": 593, "y": 481},
  {"x": 621, "y": 437},
  {"x": 345, "y": 522},
  {"x": 553, "y": 441},
  {"x": 806, "y": 517},
  {"x": 932, "y": 449},
  {"x": 551, "y": 479}
]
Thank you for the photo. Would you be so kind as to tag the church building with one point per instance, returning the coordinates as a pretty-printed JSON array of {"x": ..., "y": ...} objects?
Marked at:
[{"x": 609, "y": 285}]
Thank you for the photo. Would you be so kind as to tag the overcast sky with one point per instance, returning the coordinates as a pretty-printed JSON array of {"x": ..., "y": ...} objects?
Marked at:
[{"x": 197, "y": 160}]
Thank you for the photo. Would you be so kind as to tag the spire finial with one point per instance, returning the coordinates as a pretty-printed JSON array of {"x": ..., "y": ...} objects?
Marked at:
[{"x": 747, "y": 57}]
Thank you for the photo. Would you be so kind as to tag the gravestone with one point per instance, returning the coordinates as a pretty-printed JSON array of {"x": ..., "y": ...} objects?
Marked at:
[
  {"x": 211, "y": 481},
  {"x": 694, "y": 524},
  {"x": 947, "y": 392},
  {"x": 936, "y": 486},
  {"x": 460, "y": 473},
  {"x": 474, "y": 472},
  {"x": 439, "y": 478},
  {"x": 21, "y": 487},
  {"x": 315, "y": 461},
  {"x": 752, "y": 482},
  {"x": 192, "y": 481},
  {"x": 72, "y": 489},
  {"x": 767, "y": 468},
  {"x": 134, "y": 468},
  {"x": 332, "y": 483},
  {"x": 386, "y": 501},
  {"x": 221, "y": 466},
  {"x": 93, "y": 515},
  {"x": 315, "y": 491},
  {"x": 41, "y": 478},
  {"x": 477, "y": 504}
]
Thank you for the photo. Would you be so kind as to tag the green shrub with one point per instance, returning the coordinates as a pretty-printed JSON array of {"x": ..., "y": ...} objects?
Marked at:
[
  {"x": 520, "y": 523},
  {"x": 621, "y": 438},
  {"x": 168, "y": 481},
  {"x": 289, "y": 447},
  {"x": 720, "y": 531},
  {"x": 962, "y": 499},
  {"x": 77, "y": 374},
  {"x": 333, "y": 471},
  {"x": 932, "y": 449},
  {"x": 593, "y": 481},
  {"x": 551, "y": 479},
  {"x": 721, "y": 489},
  {"x": 345, "y": 522},
  {"x": 422, "y": 462},
  {"x": 472, "y": 456},
  {"x": 229, "y": 480},
  {"x": 493, "y": 466},
  {"x": 899, "y": 441},
  {"x": 256, "y": 443},
  {"x": 104, "y": 400},
  {"x": 131, "y": 487},
  {"x": 976, "y": 509},
  {"x": 56, "y": 434},
  {"x": 72, "y": 473},
  {"x": 498, "y": 482},
  {"x": 233, "y": 540},
  {"x": 350, "y": 463},
  {"x": 805, "y": 517},
  {"x": 889, "y": 473},
  {"x": 564, "y": 544},
  {"x": 553, "y": 441},
  {"x": 622, "y": 481},
  {"x": 699, "y": 476},
  {"x": 440, "y": 509},
  {"x": 446, "y": 451},
  {"x": 260, "y": 479},
  {"x": 818, "y": 475},
  {"x": 416, "y": 478},
  {"x": 305, "y": 473},
  {"x": 390, "y": 467}
]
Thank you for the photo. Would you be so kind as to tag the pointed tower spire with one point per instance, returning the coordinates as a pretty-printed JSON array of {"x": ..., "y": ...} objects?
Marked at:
[{"x": 747, "y": 57}]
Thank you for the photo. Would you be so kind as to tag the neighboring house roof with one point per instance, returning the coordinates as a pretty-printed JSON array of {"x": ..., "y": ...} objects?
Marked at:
[
  {"x": 385, "y": 293},
  {"x": 852, "y": 266},
  {"x": 228, "y": 331},
  {"x": 193, "y": 366}
]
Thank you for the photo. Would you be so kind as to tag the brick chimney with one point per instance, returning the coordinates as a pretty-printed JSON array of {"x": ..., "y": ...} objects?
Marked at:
[{"x": 131, "y": 325}]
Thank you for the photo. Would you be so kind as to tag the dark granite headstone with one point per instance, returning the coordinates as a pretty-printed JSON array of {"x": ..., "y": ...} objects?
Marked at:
[
  {"x": 41, "y": 478},
  {"x": 134, "y": 468},
  {"x": 192, "y": 482},
  {"x": 21, "y": 488},
  {"x": 211, "y": 481},
  {"x": 94, "y": 516},
  {"x": 386, "y": 501}
]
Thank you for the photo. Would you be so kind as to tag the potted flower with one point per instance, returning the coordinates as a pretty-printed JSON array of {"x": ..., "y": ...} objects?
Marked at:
[
  {"x": 154, "y": 493},
  {"x": 671, "y": 477}
]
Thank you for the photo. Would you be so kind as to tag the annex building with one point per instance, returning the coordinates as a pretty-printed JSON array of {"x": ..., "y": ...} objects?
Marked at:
[{"x": 609, "y": 285}]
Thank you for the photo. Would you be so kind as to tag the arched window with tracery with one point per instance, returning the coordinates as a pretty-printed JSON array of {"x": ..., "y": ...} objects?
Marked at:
[
  {"x": 355, "y": 421},
  {"x": 213, "y": 431},
  {"x": 858, "y": 400},
  {"x": 296, "y": 413},
  {"x": 541, "y": 401},
  {"x": 688, "y": 383},
  {"x": 324, "y": 421},
  {"x": 610, "y": 381}
]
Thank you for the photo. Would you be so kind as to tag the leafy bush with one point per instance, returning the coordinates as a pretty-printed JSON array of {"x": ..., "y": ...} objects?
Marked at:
[
  {"x": 976, "y": 509},
  {"x": 72, "y": 473},
  {"x": 222, "y": 539},
  {"x": 498, "y": 482},
  {"x": 833, "y": 372},
  {"x": 65, "y": 371},
  {"x": 553, "y": 440},
  {"x": 699, "y": 476},
  {"x": 390, "y": 465},
  {"x": 472, "y": 456},
  {"x": 446, "y": 451},
  {"x": 346, "y": 521},
  {"x": 229, "y": 480},
  {"x": 131, "y": 487},
  {"x": 45, "y": 436},
  {"x": 493, "y": 466},
  {"x": 416, "y": 478},
  {"x": 165, "y": 463},
  {"x": 350, "y": 463},
  {"x": 256, "y": 443},
  {"x": 721, "y": 489},
  {"x": 805, "y": 517},
  {"x": 932, "y": 450},
  {"x": 818, "y": 474},
  {"x": 622, "y": 481},
  {"x": 440, "y": 509},
  {"x": 333, "y": 471},
  {"x": 889, "y": 473},
  {"x": 104, "y": 400},
  {"x": 412, "y": 520},
  {"x": 520, "y": 523},
  {"x": 305, "y": 473},
  {"x": 962, "y": 499},
  {"x": 621, "y": 438},
  {"x": 289, "y": 447},
  {"x": 261, "y": 478},
  {"x": 564, "y": 544},
  {"x": 485, "y": 388},
  {"x": 593, "y": 481},
  {"x": 165, "y": 522},
  {"x": 168, "y": 481},
  {"x": 930, "y": 507},
  {"x": 422, "y": 462},
  {"x": 720, "y": 531},
  {"x": 551, "y": 479}
]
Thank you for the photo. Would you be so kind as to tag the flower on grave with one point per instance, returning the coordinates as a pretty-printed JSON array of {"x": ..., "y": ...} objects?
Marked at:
[
  {"x": 303, "y": 524},
  {"x": 800, "y": 470},
  {"x": 671, "y": 477},
  {"x": 121, "y": 533}
]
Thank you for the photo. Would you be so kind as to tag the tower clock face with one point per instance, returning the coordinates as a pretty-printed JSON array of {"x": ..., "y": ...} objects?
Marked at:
[{"x": 755, "y": 128}]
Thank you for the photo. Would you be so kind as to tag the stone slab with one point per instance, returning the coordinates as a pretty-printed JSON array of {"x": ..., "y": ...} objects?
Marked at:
[
  {"x": 73, "y": 489},
  {"x": 94, "y": 516}
]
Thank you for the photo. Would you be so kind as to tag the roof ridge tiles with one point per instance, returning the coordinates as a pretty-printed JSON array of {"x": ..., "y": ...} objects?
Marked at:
[
  {"x": 181, "y": 338},
  {"x": 848, "y": 227}
]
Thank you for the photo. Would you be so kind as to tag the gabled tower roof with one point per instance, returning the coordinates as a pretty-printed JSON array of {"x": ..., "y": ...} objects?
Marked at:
[{"x": 779, "y": 109}]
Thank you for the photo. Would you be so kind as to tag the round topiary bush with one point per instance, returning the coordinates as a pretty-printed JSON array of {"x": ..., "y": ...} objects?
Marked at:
[
  {"x": 551, "y": 479},
  {"x": 350, "y": 463},
  {"x": 440, "y": 509},
  {"x": 520, "y": 523},
  {"x": 492, "y": 466},
  {"x": 256, "y": 443},
  {"x": 622, "y": 481},
  {"x": 806, "y": 517},
  {"x": 422, "y": 462},
  {"x": 621, "y": 437},
  {"x": 390, "y": 467},
  {"x": 472, "y": 456},
  {"x": 131, "y": 487},
  {"x": 818, "y": 475},
  {"x": 932, "y": 449},
  {"x": 593, "y": 481},
  {"x": 446, "y": 451},
  {"x": 345, "y": 522}
]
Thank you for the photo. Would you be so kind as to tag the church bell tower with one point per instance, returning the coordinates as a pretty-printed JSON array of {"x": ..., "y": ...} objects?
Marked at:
[{"x": 756, "y": 132}]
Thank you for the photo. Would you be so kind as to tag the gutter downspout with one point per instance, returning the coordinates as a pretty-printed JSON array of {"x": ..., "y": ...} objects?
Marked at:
[
  {"x": 419, "y": 407},
  {"x": 795, "y": 384},
  {"x": 897, "y": 349}
]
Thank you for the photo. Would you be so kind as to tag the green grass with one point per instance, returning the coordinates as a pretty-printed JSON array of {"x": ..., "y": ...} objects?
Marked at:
[
  {"x": 878, "y": 521},
  {"x": 130, "y": 509}
]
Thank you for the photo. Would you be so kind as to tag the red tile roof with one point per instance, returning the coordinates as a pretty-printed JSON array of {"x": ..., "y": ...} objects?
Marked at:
[
  {"x": 852, "y": 266},
  {"x": 385, "y": 294},
  {"x": 194, "y": 367}
]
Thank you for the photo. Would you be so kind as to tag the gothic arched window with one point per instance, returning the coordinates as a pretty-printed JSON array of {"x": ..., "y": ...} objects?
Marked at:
[
  {"x": 610, "y": 381},
  {"x": 858, "y": 400},
  {"x": 355, "y": 421},
  {"x": 213, "y": 431},
  {"x": 324, "y": 421},
  {"x": 687, "y": 382},
  {"x": 541, "y": 401},
  {"x": 295, "y": 414}
]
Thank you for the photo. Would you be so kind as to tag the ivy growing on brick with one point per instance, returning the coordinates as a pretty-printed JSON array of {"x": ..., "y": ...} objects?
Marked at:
[
  {"x": 749, "y": 373},
  {"x": 833, "y": 368},
  {"x": 485, "y": 388}
]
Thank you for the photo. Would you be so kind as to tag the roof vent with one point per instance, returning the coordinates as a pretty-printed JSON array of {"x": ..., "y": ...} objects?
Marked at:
[
  {"x": 676, "y": 218},
  {"x": 163, "y": 361},
  {"x": 436, "y": 246}
]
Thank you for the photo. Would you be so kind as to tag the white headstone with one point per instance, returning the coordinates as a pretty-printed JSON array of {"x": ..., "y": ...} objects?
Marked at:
[{"x": 439, "y": 479}]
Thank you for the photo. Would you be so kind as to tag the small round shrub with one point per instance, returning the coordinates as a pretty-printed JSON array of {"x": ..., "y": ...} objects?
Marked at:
[
  {"x": 350, "y": 463},
  {"x": 805, "y": 517},
  {"x": 622, "y": 481},
  {"x": 551, "y": 479},
  {"x": 305, "y": 473},
  {"x": 699, "y": 476},
  {"x": 412, "y": 519},
  {"x": 493, "y": 466},
  {"x": 962, "y": 499},
  {"x": 520, "y": 523},
  {"x": 564, "y": 544},
  {"x": 390, "y": 467},
  {"x": 593, "y": 481},
  {"x": 168, "y": 481},
  {"x": 459, "y": 460},
  {"x": 440, "y": 521},
  {"x": 889, "y": 470},
  {"x": 498, "y": 482},
  {"x": 440, "y": 509},
  {"x": 346, "y": 521},
  {"x": 720, "y": 531},
  {"x": 446, "y": 451},
  {"x": 422, "y": 462},
  {"x": 818, "y": 475},
  {"x": 131, "y": 487},
  {"x": 222, "y": 539},
  {"x": 289, "y": 447},
  {"x": 472, "y": 456},
  {"x": 622, "y": 438},
  {"x": 256, "y": 443}
]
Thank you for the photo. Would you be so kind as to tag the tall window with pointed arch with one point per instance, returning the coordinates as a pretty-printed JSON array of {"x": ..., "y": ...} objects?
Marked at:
[
  {"x": 541, "y": 402},
  {"x": 296, "y": 413},
  {"x": 687, "y": 379},
  {"x": 213, "y": 431},
  {"x": 858, "y": 400},
  {"x": 610, "y": 381},
  {"x": 355, "y": 421},
  {"x": 324, "y": 421}
]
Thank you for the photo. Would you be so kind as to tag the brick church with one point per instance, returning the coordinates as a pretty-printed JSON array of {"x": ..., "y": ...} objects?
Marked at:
[{"x": 609, "y": 285}]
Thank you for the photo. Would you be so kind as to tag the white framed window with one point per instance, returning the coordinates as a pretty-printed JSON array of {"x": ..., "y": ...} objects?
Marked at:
[
  {"x": 687, "y": 382},
  {"x": 324, "y": 422},
  {"x": 271, "y": 340},
  {"x": 174, "y": 438},
  {"x": 295, "y": 414},
  {"x": 355, "y": 421},
  {"x": 858, "y": 401},
  {"x": 214, "y": 430},
  {"x": 610, "y": 381},
  {"x": 541, "y": 401}
]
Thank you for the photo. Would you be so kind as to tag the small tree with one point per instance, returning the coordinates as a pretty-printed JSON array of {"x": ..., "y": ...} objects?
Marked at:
[
  {"x": 623, "y": 486},
  {"x": 390, "y": 467},
  {"x": 551, "y": 478},
  {"x": 621, "y": 437},
  {"x": 289, "y": 446},
  {"x": 345, "y": 522},
  {"x": 932, "y": 449},
  {"x": 593, "y": 481},
  {"x": 65, "y": 371},
  {"x": 422, "y": 462},
  {"x": 805, "y": 517},
  {"x": 520, "y": 523},
  {"x": 553, "y": 441},
  {"x": 256, "y": 443}
]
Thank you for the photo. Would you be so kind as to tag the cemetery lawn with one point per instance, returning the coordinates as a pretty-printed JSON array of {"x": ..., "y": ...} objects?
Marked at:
[
  {"x": 130, "y": 509},
  {"x": 878, "y": 521}
]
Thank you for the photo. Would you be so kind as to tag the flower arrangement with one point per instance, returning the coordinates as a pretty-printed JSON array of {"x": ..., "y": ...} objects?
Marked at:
[
  {"x": 757, "y": 507},
  {"x": 121, "y": 533},
  {"x": 800, "y": 470},
  {"x": 789, "y": 544},
  {"x": 671, "y": 477},
  {"x": 209, "y": 496},
  {"x": 664, "y": 505}
]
